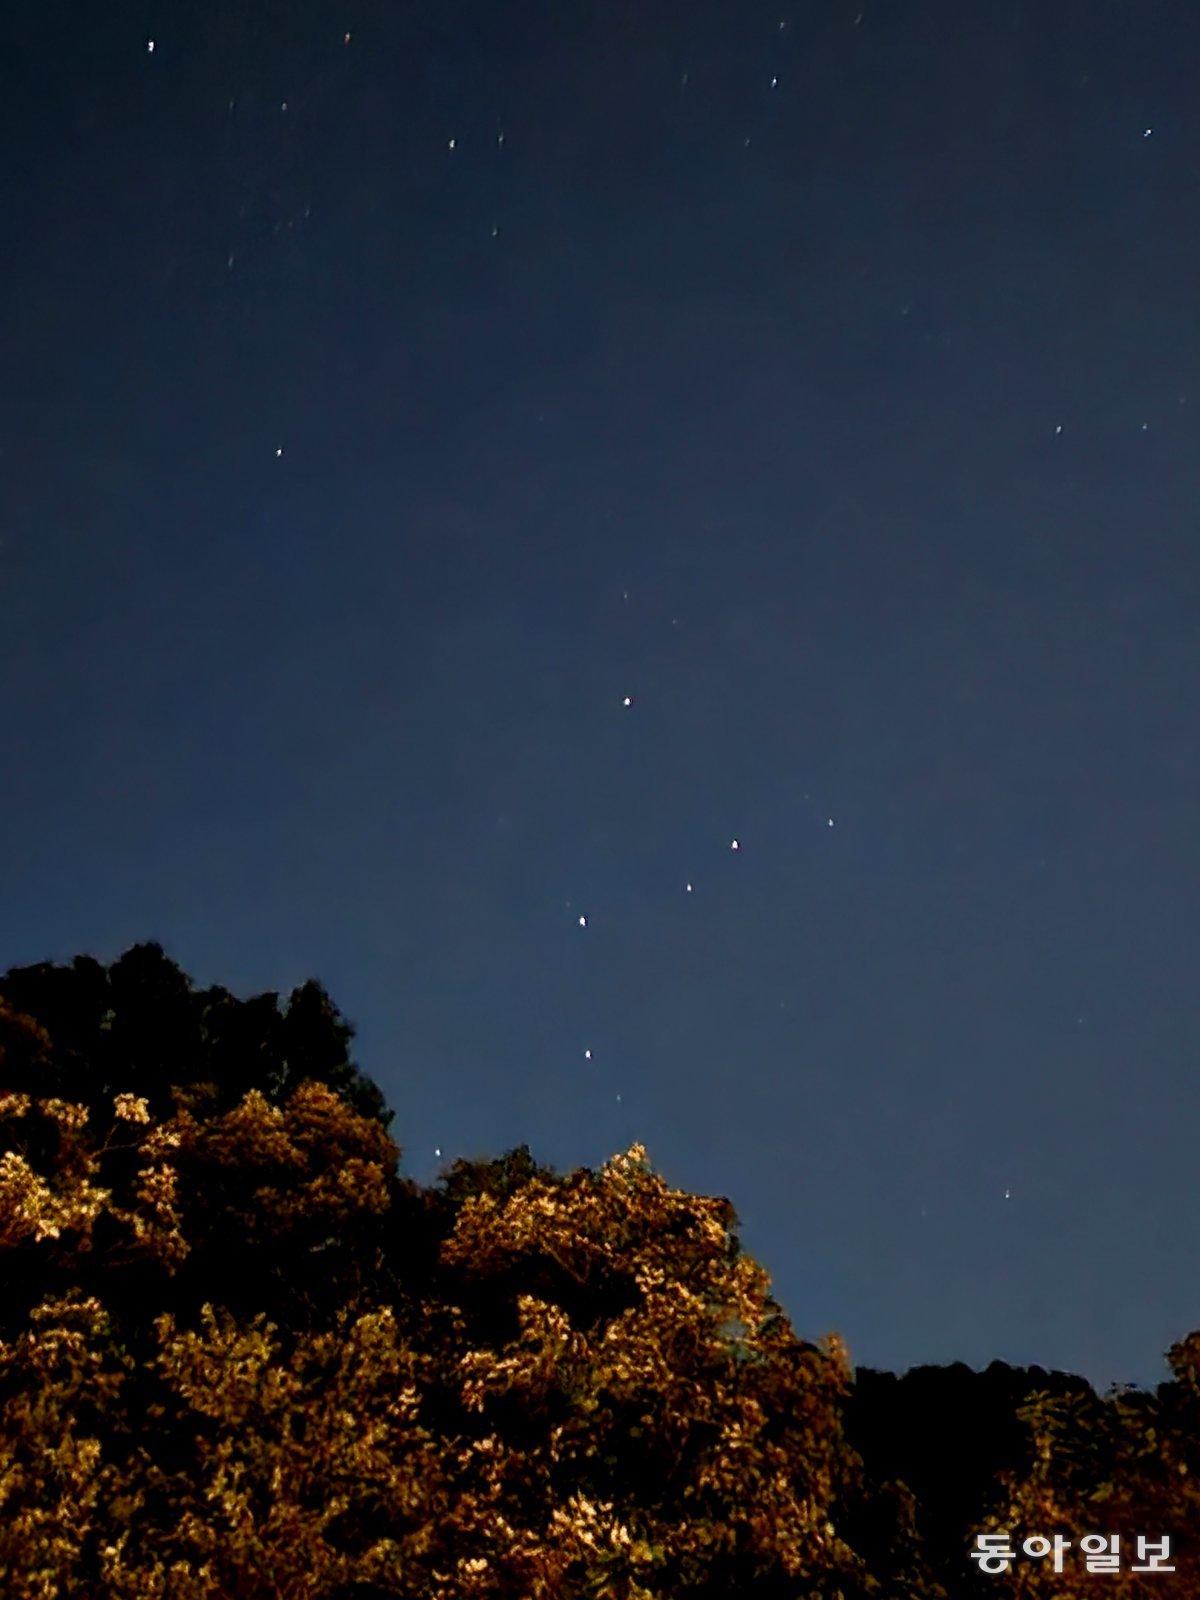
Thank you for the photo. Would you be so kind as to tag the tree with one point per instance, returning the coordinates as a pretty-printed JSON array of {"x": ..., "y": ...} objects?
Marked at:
[
  {"x": 139, "y": 1027},
  {"x": 240, "y": 1357},
  {"x": 1125, "y": 1464}
]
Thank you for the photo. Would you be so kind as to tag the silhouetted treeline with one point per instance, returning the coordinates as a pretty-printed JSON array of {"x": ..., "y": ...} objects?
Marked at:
[{"x": 242, "y": 1356}]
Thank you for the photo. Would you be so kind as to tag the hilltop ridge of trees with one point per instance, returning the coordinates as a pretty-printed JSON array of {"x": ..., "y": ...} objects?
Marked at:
[{"x": 242, "y": 1357}]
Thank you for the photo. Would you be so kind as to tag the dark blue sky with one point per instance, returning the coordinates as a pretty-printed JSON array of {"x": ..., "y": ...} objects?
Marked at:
[{"x": 824, "y": 377}]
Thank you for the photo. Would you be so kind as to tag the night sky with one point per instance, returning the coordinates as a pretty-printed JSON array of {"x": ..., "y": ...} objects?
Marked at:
[{"x": 466, "y": 463}]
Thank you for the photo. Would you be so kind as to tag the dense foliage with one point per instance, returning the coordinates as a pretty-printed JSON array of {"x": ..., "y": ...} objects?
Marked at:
[{"x": 242, "y": 1357}]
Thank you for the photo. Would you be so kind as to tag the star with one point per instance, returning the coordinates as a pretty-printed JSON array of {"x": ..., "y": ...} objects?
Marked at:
[
  {"x": 733, "y": 844},
  {"x": 583, "y": 922}
]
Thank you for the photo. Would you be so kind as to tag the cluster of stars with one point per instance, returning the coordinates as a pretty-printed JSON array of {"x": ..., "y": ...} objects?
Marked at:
[
  {"x": 735, "y": 844},
  {"x": 452, "y": 141}
]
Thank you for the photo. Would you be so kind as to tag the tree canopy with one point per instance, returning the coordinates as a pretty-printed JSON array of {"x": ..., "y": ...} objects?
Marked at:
[{"x": 242, "y": 1356}]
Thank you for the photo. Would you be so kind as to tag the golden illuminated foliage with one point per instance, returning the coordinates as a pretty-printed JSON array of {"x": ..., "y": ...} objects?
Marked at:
[
  {"x": 1126, "y": 1465},
  {"x": 584, "y": 1451},
  {"x": 665, "y": 1449},
  {"x": 241, "y": 1359}
]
